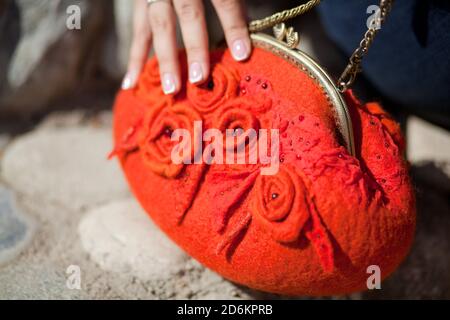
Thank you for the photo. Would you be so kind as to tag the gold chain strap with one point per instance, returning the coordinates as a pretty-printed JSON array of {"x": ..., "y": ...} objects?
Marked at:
[
  {"x": 279, "y": 17},
  {"x": 354, "y": 66}
]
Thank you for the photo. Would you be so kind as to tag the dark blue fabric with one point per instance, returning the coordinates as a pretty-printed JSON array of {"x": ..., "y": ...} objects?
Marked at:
[{"x": 409, "y": 61}]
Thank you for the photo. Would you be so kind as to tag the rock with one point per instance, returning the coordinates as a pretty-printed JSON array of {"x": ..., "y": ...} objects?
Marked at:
[
  {"x": 123, "y": 13},
  {"x": 45, "y": 59},
  {"x": 121, "y": 238},
  {"x": 16, "y": 229},
  {"x": 76, "y": 118},
  {"x": 427, "y": 142},
  {"x": 63, "y": 119},
  {"x": 66, "y": 166},
  {"x": 9, "y": 36},
  {"x": 428, "y": 150},
  {"x": 40, "y": 271},
  {"x": 4, "y": 140},
  {"x": 36, "y": 282},
  {"x": 210, "y": 286}
]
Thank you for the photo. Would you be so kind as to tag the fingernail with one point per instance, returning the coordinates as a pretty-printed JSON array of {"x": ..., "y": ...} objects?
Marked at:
[
  {"x": 129, "y": 81},
  {"x": 168, "y": 83},
  {"x": 195, "y": 73},
  {"x": 240, "y": 50}
]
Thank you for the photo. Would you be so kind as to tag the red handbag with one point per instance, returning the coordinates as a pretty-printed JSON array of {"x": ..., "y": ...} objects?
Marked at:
[{"x": 340, "y": 203}]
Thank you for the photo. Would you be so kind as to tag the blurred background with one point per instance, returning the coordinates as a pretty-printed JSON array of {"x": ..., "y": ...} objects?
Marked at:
[{"x": 62, "y": 204}]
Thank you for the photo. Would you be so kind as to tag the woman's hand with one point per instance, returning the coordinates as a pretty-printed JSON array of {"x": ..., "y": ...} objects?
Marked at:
[{"x": 155, "y": 23}]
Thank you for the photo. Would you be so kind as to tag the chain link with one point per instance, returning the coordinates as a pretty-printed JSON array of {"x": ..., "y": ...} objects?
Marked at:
[
  {"x": 354, "y": 65},
  {"x": 279, "y": 17}
]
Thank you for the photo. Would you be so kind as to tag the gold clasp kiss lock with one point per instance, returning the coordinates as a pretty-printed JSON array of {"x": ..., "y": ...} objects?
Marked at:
[{"x": 286, "y": 35}]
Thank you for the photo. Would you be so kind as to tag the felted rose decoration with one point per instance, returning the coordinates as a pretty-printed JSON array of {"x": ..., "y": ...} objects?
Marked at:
[
  {"x": 281, "y": 204},
  {"x": 155, "y": 140},
  {"x": 220, "y": 88}
]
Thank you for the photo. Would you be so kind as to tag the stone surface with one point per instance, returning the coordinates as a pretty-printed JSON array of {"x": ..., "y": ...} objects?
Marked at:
[
  {"x": 76, "y": 118},
  {"x": 16, "y": 229},
  {"x": 121, "y": 238},
  {"x": 123, "y": 14},
  {"x": 9, "y": 35},
  {"x": 44, "y": 59},
  {"x": 427, "y": 142},
  {"x": 31, "y": 282},
  {"x": 4, "y": 140},
  {"x": 67, "y": 166}
]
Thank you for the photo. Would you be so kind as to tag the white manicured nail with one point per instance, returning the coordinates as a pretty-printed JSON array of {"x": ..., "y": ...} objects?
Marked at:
[
  {"x": 129, "y": 81},
  {"x": 195, "y": 73},
  {"x": 240, "y": 50},
  {"x": 168, "y": 83}
]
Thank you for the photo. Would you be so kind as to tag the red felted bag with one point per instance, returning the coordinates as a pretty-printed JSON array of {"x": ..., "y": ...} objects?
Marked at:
[{"x": 341, "y": 201}]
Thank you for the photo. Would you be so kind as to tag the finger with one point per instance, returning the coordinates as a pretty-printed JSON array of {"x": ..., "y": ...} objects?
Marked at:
[
  {"x": 193, "y": 28},
  {"x": 140, "y": 45},
  {"x": 232, "y": 16},
  {"x": 163, "y": 24}
]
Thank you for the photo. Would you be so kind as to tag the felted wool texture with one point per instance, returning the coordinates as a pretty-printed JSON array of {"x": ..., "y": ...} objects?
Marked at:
[{"x": 311, "y": 229}]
